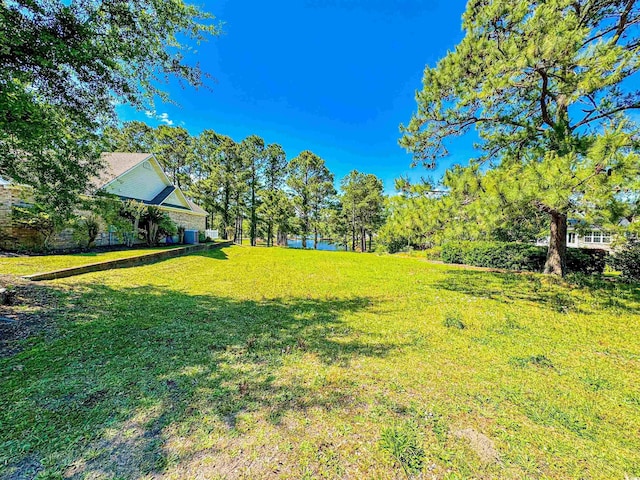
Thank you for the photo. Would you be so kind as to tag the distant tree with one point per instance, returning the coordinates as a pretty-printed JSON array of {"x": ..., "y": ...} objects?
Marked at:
[
  {"x": 63, "y": 68},
  {"x": 271, "y": 208},
  {"x": 311, "y": 183},
  {"x": 206, "y": 185},
  {"x": 130, "y": 137},
  {"x": 174, "y": 148},
  {"x": 544, "y": 83},
  {"x": 363, "y": 204},
  {"x": 252, "y": 151}
]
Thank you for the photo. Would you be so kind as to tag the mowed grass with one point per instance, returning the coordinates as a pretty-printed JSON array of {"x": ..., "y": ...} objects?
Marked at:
[
  {"x": 28, "y": 265},
  {"x": 275, "y": 363}
]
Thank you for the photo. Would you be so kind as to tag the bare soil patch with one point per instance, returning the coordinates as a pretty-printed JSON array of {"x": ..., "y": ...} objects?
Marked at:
[{"x": 31, "y": 311}]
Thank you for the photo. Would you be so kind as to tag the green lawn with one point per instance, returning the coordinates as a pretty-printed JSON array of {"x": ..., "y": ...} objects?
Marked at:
[
  {"x": 276, "y": 363},
  {"x": 46, "y": 263}
]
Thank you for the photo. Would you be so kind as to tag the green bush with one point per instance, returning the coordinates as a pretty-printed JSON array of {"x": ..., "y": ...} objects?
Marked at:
[
  {"x": 507, "y": 255},
  {"x": 586, "y": 260},
  {"x": 520, "y": 256},
  {"x": 627, "y": 260}
]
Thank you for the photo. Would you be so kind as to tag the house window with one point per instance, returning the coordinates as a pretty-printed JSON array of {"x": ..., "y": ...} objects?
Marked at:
[
  {"x": 597, "y": 237},
  {"x": 571, "y": 238},
  {"x": 588, "y": 237},
  {"x": 606, "y": 237}
]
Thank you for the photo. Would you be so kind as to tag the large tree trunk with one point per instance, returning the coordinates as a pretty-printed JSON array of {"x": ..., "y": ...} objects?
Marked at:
[{"x": 557, "y": 253}]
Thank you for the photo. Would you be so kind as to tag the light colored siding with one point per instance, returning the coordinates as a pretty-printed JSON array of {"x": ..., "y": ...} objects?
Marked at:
[
  {"x": 143, "y": 182},
  {"x": 174, "y": 199}
]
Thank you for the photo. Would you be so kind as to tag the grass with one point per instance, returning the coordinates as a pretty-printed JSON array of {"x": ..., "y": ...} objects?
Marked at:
[
  {"x": 28, "y": 265},
  {"x": 259, "y": 363}
]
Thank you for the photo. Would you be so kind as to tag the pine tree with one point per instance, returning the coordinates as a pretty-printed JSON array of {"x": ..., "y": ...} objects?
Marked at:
[{"x": 544, "y": 84}]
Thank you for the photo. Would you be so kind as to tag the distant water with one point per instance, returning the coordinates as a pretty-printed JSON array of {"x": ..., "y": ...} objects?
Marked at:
[{"x": 297, "y": 243}]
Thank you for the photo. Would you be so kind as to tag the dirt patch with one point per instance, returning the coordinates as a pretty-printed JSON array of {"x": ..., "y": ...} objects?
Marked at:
[
  {"x": 31, "y": 312},
  {"x": 27, "y": 469},
  {"x": 133, "y": 451},
  {"x": 479, "y": 443}
]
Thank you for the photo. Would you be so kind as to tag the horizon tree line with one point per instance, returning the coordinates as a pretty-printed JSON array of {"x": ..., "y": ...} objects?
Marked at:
[{"x": 252, "y": 186}]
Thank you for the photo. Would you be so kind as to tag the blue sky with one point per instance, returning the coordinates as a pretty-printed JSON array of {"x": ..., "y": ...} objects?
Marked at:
[{"x": 335, "y": 77}]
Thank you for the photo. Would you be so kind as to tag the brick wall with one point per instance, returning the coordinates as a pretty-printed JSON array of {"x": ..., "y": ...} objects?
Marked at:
[
  {"x": 188, "y": 220},
  {"x": 15, "y": 238}
]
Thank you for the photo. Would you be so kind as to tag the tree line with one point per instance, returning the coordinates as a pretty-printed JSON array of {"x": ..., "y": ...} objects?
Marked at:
[{"x": 251, "y": 189}]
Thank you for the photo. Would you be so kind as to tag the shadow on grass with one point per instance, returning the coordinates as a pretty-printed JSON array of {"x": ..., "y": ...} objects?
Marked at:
[
  {"x": 580, "y": 293},
  {"x": 130, "y": 363}
]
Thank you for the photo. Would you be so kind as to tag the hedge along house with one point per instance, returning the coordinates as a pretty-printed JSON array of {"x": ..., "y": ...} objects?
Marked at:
[{"x": 129, "y": 176}]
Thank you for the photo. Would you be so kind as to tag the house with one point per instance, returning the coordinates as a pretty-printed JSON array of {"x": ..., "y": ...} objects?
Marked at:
[
  {"x": 135, "y": 176},
  {"x": 592, "y": 237}
]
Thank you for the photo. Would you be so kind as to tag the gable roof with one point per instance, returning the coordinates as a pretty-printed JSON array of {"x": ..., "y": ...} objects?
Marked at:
[
  {"x": 116, "y": 164},
  {"x": 195, "y": 207},
  {"x": 162, "y": 196}
]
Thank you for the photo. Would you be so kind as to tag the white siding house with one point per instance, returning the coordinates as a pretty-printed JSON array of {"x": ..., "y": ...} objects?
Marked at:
[
  {"x": 592, "y": 237},
  {"x": 130, "y": 176}
]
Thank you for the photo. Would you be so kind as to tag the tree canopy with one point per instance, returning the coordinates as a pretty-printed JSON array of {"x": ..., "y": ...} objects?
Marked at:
[
  {"x": 65, "y": 65},
  {"x": 545, "y": 86}
]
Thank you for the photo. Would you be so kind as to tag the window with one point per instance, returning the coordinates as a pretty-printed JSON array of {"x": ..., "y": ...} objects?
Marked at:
[
  {"x": 571, "y": 238},
  {"x": 597, "y": 237},
  {"x": 606, "y": 237},
  {"x": 587, "y": 237}
]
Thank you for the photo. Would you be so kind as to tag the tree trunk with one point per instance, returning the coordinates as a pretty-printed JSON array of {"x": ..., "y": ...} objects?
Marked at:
[
  {"x": 315, "y": 238},
  {"x": 282, "y": 238},
  {"x": 225, "y": 213},
  {"x": 254, "y": 218},
  {"x": 370, "y": 240},
  {"x": 557, "y": 253}
]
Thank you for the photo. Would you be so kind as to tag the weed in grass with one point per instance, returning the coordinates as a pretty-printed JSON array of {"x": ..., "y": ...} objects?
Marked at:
[
  {"x": 510, "y": 323},
  {"x": 596, "y": 383},
  {"x": 404, "y": 444},
  {"x": 454, "y": 322},
  {"x": 535, "y": 360},
  {"x": 562, "y": 302},
  {"x": 438, "y": 426}
]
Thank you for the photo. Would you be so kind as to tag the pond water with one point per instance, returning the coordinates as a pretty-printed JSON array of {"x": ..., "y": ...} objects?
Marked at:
[{"x": 322, "y": 245}]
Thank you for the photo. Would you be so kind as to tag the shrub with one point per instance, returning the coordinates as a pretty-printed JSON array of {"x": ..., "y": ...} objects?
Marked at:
[
  {"x": 156, "y": 224},
  {"x": 508, "y": 255},
  {"x": 586, "y": 260},
  {"x": 520, "y": 256},
  {"x": 627, "y": 260},
  {"x": 42, "y": 219},
  {"x": 86, "y": 230}
]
